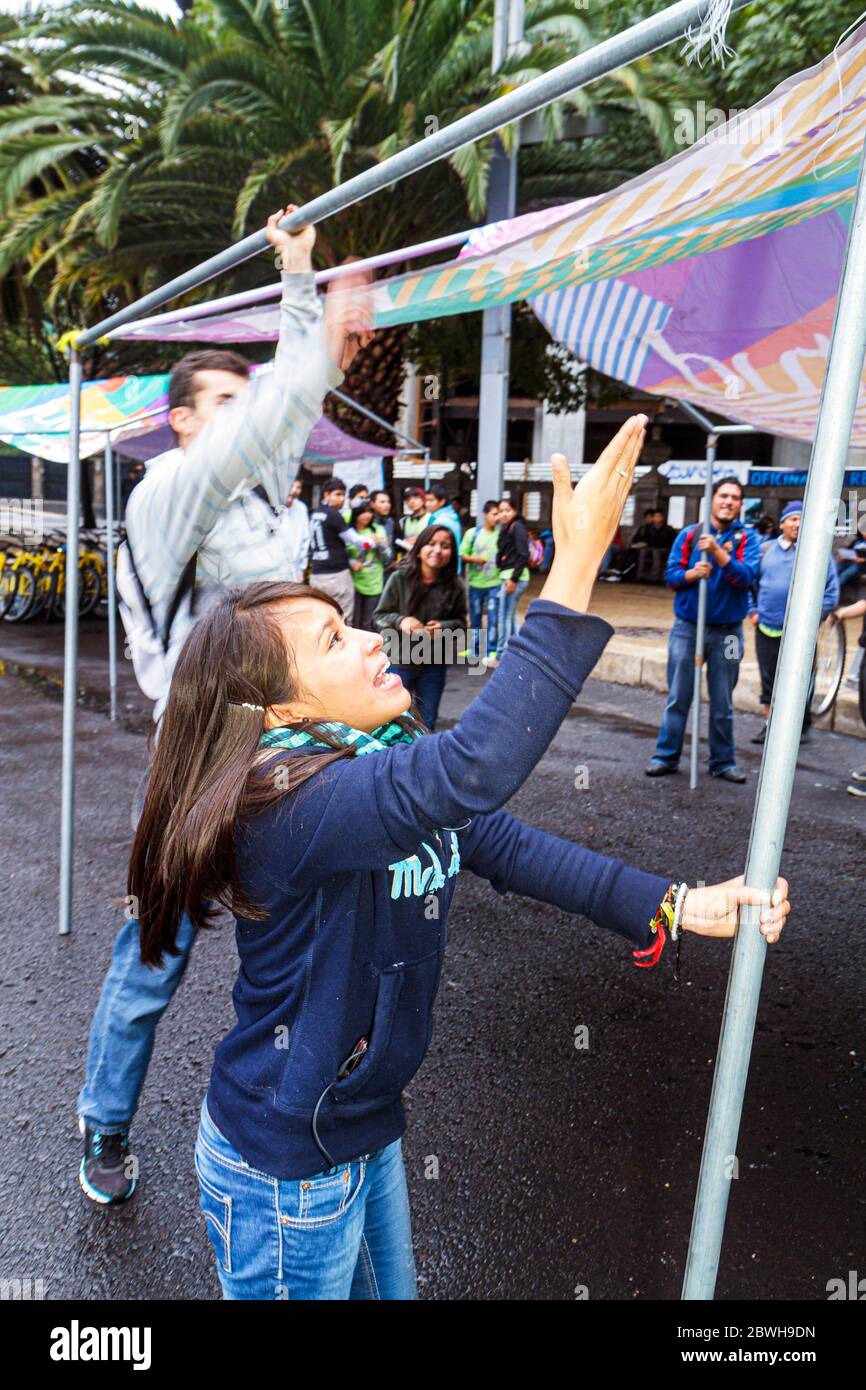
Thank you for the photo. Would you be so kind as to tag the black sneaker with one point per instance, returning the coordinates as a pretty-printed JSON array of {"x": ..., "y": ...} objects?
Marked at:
[
  {"x": 761, "y": 737},
  {"x": 655, "y": 769},
  {"x": 107, "y": 1168}
]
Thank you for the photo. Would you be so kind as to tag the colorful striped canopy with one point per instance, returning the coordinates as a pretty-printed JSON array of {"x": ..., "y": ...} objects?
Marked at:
[
  {"x": 712, "y": 278},
  {"x": 36, "y": 420}
]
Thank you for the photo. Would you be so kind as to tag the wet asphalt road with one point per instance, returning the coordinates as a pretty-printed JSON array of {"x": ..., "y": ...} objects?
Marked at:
[{"x": 557, "y": 1167}]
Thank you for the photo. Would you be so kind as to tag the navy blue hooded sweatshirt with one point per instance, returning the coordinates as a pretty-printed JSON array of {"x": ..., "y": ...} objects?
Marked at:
[{"x": 356, "y": 871}]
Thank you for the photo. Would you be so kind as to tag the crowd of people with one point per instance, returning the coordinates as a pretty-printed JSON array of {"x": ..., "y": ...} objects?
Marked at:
[
  {"x": 294, "y": 780},
  {"x": 748, "y": 572},
  {"x": 425, "y": 572}
]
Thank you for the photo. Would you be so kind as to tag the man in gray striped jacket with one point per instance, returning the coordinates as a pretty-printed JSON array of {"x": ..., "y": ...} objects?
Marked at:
[{"x": 205, "y": 517}]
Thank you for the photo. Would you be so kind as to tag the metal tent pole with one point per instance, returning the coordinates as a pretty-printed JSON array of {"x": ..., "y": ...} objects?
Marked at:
[
  {"x": 70, "y": 647},
  {"x": 112, "y": 602},
  {"x": 605, "y": 57},
  {"x": 700, "y": 634},
  {"x": 496, "y": 319},
  {"x": 823, "y": 490},
  {"x": 377, "y": 419}
]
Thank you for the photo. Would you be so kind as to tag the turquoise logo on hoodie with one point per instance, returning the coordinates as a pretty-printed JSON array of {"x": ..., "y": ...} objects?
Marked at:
[{"x": 410, "y": 878}]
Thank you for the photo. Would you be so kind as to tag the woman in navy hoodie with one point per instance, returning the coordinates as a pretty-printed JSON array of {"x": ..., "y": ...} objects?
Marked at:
[{"x": 292, "y": 784}]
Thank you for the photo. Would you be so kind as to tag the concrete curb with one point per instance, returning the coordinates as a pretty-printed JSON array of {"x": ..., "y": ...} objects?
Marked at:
[{"x": 626, "y": 662}]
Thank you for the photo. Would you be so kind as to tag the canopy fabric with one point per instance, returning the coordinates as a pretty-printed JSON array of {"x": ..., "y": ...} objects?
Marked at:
[
  {"x": 36, "y": 419},
  {"x": 711, "y": 278}
]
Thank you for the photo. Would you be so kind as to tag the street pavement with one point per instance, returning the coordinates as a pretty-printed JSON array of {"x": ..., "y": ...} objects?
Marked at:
[{"x": 560, "y": 1169}]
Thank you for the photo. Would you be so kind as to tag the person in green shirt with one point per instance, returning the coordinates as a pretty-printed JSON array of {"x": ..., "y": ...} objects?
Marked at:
[
  {"x": 413, "y": 521},
  {"x": 478, "y": 550},
  {"x": 367, "y": 563}
]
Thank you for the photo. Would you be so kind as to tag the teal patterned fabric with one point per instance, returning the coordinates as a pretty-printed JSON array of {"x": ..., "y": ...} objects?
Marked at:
[{"x": 383, "y": 737}]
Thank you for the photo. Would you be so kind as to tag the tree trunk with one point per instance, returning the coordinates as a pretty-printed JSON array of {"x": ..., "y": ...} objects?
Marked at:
[{"x": 375, "y": 380}]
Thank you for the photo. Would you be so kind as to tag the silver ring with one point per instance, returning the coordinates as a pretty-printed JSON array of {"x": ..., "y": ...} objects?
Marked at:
[{"x": 621, "y": 471}]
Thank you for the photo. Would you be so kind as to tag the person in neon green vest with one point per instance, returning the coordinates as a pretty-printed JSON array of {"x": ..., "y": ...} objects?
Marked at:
[{"x": 478, "y": 549}]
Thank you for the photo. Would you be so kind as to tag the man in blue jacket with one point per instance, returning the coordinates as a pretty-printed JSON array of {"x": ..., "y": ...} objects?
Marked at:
[{"x": 728, "y": 556}]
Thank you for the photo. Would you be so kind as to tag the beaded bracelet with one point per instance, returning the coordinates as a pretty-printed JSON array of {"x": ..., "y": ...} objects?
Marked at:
[{"x": 667, "y": 919}]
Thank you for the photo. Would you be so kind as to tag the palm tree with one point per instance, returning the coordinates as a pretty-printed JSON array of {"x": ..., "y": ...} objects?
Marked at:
[{"x": 170, "y": 139}]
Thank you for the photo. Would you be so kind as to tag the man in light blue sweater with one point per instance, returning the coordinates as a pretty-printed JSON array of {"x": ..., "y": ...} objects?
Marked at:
[{"x": 774, "y": 582}]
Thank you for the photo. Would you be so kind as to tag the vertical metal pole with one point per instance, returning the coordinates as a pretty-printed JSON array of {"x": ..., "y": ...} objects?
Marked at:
[
  {"x": 820, "y": 505},
  {"x": 426, "y": 470},
  {"x": 496, "y": 322},
  {"x": 112, "y": 604},
  {"x": 70, "y": 647},
  {"x": 700, "y": 634}
]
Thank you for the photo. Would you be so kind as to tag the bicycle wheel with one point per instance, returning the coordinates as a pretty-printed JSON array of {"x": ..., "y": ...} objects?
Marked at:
[
  {"x": 88, "y": 589},
  {"x": 8, "y": 585},
  {"x": 88, "y": 593},
  {"x": 24, "y": 596},
  {"x": 829, "y": 666}
]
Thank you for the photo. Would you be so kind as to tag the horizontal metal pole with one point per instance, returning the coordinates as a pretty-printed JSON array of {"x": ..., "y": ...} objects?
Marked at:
[
  {"x": 604, "y": 58},
  {"x": 245, "y": 298},
  {"x": 706, "y": 423}
]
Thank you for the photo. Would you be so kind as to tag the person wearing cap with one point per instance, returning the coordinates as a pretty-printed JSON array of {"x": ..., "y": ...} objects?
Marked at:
[
  {"x": 774, "y": 582},
  {"x": 414, "y": 518}
]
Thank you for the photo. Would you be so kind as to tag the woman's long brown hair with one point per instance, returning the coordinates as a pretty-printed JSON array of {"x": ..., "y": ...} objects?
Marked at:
[{"x": 206, "y": 776}]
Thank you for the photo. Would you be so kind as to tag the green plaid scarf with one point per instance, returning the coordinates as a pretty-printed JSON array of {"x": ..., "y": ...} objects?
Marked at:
[{"x": 383, "y": 737}]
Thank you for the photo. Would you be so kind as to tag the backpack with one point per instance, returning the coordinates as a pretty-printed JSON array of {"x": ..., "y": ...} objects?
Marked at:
[
  {"x": 147, "y": 644},
  {"x": 536, "y": 554}
]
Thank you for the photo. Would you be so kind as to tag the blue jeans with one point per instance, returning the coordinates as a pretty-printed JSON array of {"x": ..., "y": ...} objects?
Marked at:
[
  {"x": 508, "y": 613},
  {"x": 723, "y": 652},
  {"x": 134, "y": 998},
  {"x": 343, "y": 1234},
  {"x": 426, "y": 683},
  {"x": 481, "y": 601}
]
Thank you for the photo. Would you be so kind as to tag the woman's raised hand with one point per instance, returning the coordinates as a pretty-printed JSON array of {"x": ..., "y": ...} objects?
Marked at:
[{"x": 585, "y": 517}]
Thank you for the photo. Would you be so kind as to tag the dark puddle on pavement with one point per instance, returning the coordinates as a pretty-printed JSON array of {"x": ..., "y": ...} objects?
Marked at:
[{"x": 52, "y": 688}]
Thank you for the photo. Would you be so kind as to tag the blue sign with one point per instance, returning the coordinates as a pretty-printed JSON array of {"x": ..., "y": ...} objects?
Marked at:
[{"x": 796, "y": 477}]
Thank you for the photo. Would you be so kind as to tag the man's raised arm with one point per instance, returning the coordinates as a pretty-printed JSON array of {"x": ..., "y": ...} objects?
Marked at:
[{"x": 236, "y": 451}]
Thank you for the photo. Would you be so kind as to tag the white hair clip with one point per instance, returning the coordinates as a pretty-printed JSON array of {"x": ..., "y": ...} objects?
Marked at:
[{"x": 242, "y": 704}]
